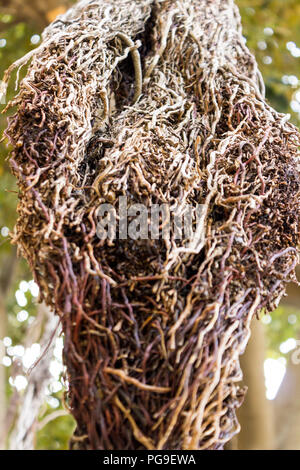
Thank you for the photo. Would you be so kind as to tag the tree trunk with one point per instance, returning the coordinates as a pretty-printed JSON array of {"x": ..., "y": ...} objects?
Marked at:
[
  {"x": 6, "y": 278},
  {"x": 163, "y": 103},
  {"x": 286, "y": 403},
  {"x": 287, "y": 406},
  {"x": 292, "y": 297},
  {"x": 29, "y": 404},
  {"x": 256, "y": 414}
]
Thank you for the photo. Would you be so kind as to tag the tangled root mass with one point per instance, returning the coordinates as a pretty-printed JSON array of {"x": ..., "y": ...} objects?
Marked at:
[{"x": 153, "y": 329}]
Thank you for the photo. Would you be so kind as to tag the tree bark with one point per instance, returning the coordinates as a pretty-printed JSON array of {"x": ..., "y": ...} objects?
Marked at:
[
  {"x": 286, "y": 403},
  {"x": 292, "y": 297},
  {"x": 2, "y": 373},
  {"x": 255, "y": 415}
]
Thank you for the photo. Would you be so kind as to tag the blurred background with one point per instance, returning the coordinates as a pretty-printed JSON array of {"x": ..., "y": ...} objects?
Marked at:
[{"x": 33, "y": 411}]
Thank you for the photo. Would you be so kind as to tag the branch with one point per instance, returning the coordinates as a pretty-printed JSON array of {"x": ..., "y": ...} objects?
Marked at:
[{"x": 36, "y": 12}]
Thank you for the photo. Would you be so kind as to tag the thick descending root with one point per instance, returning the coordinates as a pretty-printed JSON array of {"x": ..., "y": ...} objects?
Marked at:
[{"x": 153, "y": 328}]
